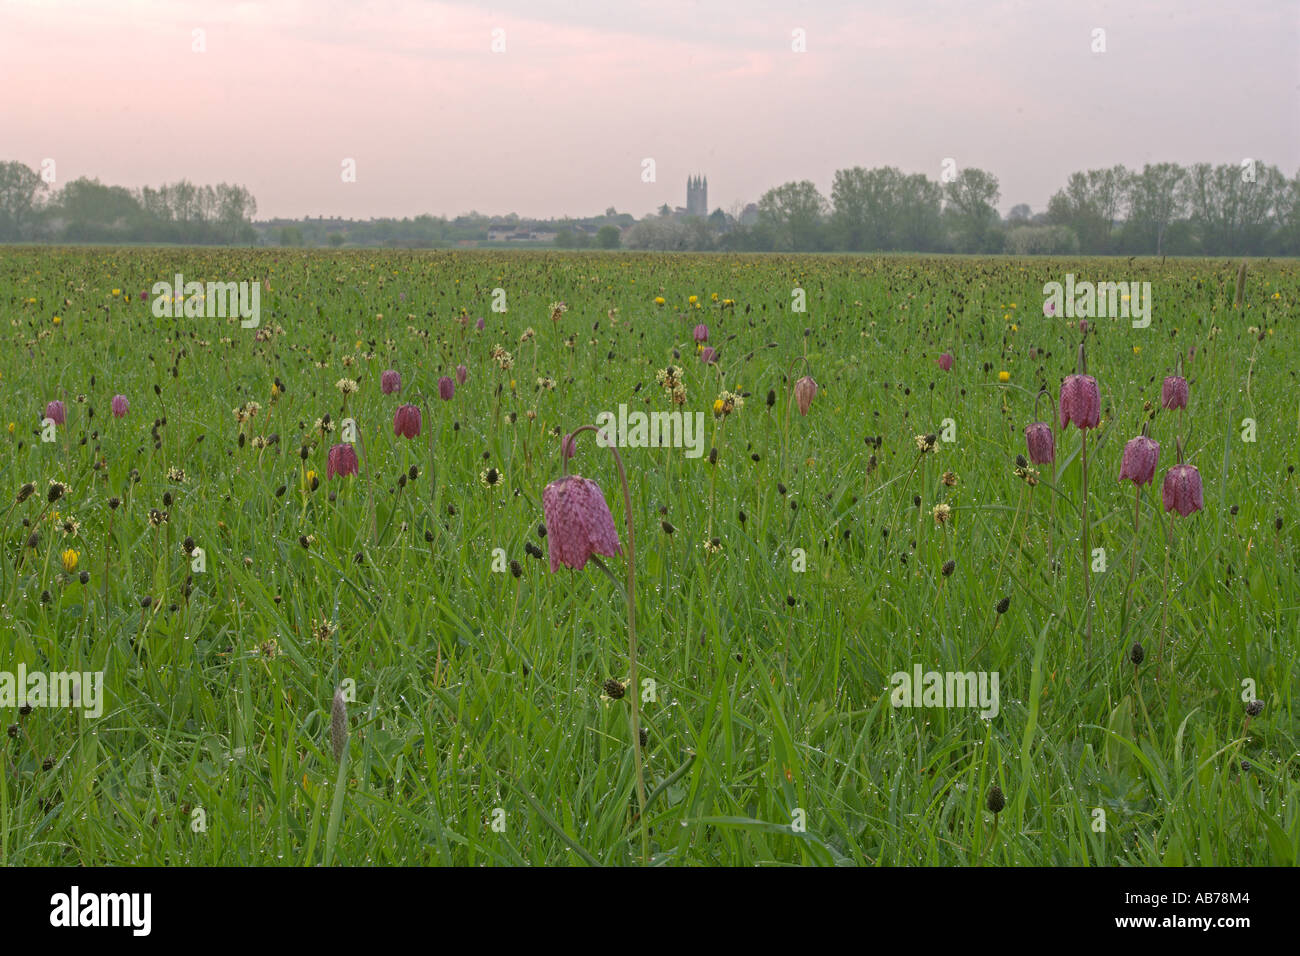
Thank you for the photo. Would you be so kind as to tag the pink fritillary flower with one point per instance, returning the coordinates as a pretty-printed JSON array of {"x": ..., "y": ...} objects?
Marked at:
[
  {"x": 578, "y": 522},
  {"x": 406, "y": 421},
  {"x": 805, "y": 390},
  {"x": 342, "y": 461},
  {"x": 1080, "y": 402},
  {"x": 1182, "y": 490},
  {"x": 1041, "y": 443},
  {"x": 1139, "y": 462},
  {"x": 1173, "y": 392}
]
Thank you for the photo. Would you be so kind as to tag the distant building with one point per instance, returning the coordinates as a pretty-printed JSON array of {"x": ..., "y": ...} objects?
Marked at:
[{"x": 697, "y": 196}]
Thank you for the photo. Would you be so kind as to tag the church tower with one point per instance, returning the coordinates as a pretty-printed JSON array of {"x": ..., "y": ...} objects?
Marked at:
[{"x": 697, "y": 196}]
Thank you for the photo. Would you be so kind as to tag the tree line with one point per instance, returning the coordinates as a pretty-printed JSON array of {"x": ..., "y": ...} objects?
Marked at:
[
  {"x": 86, "y": 210},
  {"x": 1163, "y": 209}
]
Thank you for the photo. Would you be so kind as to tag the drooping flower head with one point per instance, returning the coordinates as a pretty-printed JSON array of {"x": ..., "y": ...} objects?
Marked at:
[
  {"x": 406, "y": 421},
  {"x": 1182, "y": 490},
  {"x": 390, "y": 382},
  {"x": 1041, "y": 443},
  {"x": 56, "y": 411},
  {"x": 1173, "y": 393},
  {"x": 342, "y": 460},
  {"x": 945, "y": 361},
  {"x": 120, "y": 406},
  {"x": 462, "y": 373},
  {"x": 1080, "y": 402},
  {"x": 446, "y": 388},
  {"x": 805, "y": 390},
  {"x": 707, "y": 355},
  {"x": 1139, "y": 462},
  {"x": 578, "y": 522},
  {"x": 701, "y": 333}
]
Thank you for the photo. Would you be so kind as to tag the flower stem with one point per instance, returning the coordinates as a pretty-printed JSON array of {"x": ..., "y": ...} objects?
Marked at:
[{"x": 1087, "y": 554}]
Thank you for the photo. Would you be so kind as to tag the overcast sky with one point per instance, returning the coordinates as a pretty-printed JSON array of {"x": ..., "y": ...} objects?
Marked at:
[{"x": 585, "y": 90}]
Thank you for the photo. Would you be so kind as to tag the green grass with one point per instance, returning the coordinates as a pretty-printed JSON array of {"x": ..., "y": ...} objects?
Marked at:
[{"x": 476, "y": 691}]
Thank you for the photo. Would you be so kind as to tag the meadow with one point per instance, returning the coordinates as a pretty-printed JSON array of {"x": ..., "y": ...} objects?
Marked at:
[{"x": 302, "y": 667}]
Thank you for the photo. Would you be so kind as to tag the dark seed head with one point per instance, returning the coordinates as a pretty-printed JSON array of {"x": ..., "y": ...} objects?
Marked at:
[
  {"x": 1004, "y": 604},
  {"x": 1136, "y": 654},
  {"x": 1254, "y": 708},
  {"x": 996, "y": 801},
  {"x": 667, "y": 526},
  {"x": 516, "y": 568},
  {"x": 614, "y": 689},
  {"x": 948, "y": 567}
]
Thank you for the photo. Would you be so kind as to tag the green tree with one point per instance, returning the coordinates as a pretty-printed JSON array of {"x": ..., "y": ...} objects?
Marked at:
[
  {"x": 20, "y": 188},
  {"x": 794, "y": 212},
  {"x": 971, "y": 200},
  {"x": 608, "y": 237}
]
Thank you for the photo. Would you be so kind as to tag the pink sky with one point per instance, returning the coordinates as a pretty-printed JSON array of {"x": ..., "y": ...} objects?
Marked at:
[{"x": 560, "y": 122}]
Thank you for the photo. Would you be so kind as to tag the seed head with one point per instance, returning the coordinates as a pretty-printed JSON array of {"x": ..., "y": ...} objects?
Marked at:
[
  {"x": 996, "y": 801},
  {"x": 339, "y": 724}
]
